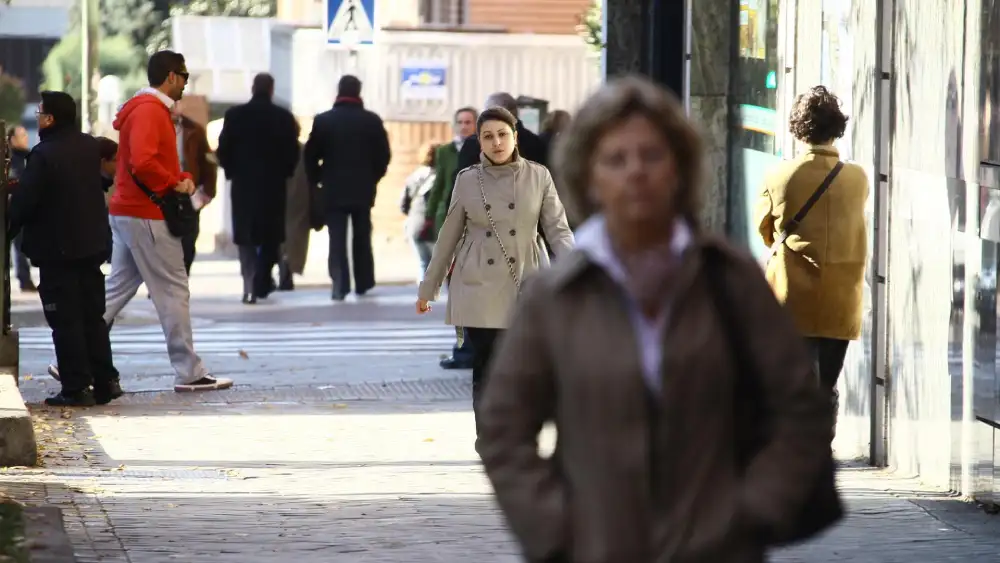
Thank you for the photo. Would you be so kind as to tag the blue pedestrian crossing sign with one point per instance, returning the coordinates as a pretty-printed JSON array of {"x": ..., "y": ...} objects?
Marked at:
[{"x": 350, "y": 22}]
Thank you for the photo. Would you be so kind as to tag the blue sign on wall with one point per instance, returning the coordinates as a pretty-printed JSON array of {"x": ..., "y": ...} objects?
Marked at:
[
  {"x": 424, "y": 80},
  {"x": 350, "y": 22}
]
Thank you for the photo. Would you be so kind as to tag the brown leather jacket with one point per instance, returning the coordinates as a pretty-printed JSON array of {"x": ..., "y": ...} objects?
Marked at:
[
  {"x": 199, "y": 159},
  {"x": 638, "y": 476}
]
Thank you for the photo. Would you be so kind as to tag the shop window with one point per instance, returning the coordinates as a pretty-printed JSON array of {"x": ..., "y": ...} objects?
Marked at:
[
  {"x": 755, "y": 84},
  {"x": 989, "y": 95}
]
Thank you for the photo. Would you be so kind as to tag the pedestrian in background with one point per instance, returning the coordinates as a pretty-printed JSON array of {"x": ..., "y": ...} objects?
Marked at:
[
  {"x": 145, "y": 249},
  {"x": 198, "y": 160},
  {"x": 491, "y": 236},
  {"x": 553, "y": 126},
  {"x": 818, "y": 259},
  {"x": 58, "y": 206},
  {"x": 17, "y": 140},
  {"x": 413, "y": 204},
  {"x": 259, "y": 149},
  {"x": 303, "y": 214},
  {"x": 690, "y": 425},
  {"x": 438, "y": 202},
  {"x": 353, "y": 146}
]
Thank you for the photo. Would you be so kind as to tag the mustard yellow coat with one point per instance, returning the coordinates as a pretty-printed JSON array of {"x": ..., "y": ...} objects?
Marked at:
[{"x": 819, "y": 272}]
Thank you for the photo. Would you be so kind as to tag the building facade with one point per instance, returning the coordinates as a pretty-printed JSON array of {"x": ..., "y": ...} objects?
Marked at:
[{"x": 919, "y": 79}]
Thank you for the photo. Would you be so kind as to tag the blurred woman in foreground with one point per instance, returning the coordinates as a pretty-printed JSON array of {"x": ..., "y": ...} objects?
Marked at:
[{"x": 690, "y": 425}]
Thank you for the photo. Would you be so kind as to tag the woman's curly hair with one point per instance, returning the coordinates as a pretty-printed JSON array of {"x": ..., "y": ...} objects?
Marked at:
[{"x": 816, "y": 117}]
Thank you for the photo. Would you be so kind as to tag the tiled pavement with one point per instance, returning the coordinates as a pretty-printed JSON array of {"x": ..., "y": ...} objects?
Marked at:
[
  {"x": 304, "y": 471},
  {"x": 366, "y": 481}
]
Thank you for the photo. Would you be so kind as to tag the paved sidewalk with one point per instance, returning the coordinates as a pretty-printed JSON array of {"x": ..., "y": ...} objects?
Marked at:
[{"x": 365, "y": 481}]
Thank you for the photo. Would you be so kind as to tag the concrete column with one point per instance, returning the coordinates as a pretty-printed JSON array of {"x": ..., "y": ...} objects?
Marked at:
[{"x": 711, "y": 46}]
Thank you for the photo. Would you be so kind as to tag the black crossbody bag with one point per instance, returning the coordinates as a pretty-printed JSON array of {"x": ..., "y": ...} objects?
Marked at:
[
  {"x": 178, "y": 211},
  {"x": 793, "y": 225}
]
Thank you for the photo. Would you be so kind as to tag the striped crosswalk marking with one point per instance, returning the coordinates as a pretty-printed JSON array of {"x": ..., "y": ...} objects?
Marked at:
[{"x": 278, "y": 339}]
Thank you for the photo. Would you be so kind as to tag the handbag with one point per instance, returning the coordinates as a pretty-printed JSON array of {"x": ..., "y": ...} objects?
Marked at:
[
  {"x": 178, "y": 211},
  {"x": 506, "y": 258},
  {"x": 793, "y": 225},
  {"x": 822, "y": 507}
]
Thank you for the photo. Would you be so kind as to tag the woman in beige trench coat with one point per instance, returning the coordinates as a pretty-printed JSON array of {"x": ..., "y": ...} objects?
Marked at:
[
  {"x": 491, "y": 236},
  {"x": 690, "y": 425}
]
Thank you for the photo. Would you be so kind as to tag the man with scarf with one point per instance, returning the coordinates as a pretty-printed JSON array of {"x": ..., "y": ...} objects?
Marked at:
[
  {"x": 59, "y": 207},
  {"x": 353, "y": 147}
]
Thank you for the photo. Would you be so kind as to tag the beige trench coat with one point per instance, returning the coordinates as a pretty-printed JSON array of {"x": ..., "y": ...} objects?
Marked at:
[
  {"x": 521, "y": 197},
  {"x": 297, "y": 226},
  {"x": 631, "y": 482}
]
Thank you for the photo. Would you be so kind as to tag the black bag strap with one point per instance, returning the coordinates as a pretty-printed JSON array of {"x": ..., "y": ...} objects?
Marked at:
[
  {"x": 793, "y": 225},
  {"x": 149, "y": 193}
]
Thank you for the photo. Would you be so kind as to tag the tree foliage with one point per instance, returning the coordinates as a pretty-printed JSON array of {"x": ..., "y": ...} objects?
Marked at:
[
  {"x": 116, "y": 55},
  {"x": 12, "y": 99},
  {"x": 160, "y": 39},
  {"x": 590, "y": 26}
]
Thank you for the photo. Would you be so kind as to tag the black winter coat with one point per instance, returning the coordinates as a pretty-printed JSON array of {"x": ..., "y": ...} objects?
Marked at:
[
  {"x": 59, "y": 202},
  {"x": 348, "y": 153},
  {"x": 259, "y": 150}
]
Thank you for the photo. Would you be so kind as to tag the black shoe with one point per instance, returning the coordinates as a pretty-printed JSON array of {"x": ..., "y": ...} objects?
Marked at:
[
  {"x": 78, "y": 399},
  {"x": 29, "y": 287},
  {"x": 104, "y": 394},
  {"x": 452, "y": 363},
  {"x": 338, "y": 296},
  {"x": 285, "y": 282},
  {"x": 249, "y": 299}
]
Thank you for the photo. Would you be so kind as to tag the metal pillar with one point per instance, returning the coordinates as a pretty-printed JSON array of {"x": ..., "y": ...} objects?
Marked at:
[{"x": 8, "y": 336}]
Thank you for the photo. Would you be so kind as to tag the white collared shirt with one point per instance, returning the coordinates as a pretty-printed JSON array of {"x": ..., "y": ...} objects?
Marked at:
[{"x": 592, "y": 238}]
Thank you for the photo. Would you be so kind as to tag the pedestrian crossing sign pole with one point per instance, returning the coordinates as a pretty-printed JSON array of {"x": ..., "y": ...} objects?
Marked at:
[{"x": 350, "y": 23}]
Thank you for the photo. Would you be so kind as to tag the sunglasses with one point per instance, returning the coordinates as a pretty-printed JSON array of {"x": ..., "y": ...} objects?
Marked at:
[{"x": 182, "y": 74}]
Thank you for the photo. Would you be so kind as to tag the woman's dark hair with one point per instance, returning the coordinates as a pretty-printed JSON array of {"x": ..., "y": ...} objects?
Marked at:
[
  {"x": 555, "y": 122},
  {"x": 496, "y": 114},
  {"x": 816, "y": 117},
  {"x": 428, "y": 154},
  {"x": 108, "y": 148}
]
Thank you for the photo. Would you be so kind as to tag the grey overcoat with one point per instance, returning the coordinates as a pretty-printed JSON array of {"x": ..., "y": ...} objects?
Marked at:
[{"x": 521, "y": 197}]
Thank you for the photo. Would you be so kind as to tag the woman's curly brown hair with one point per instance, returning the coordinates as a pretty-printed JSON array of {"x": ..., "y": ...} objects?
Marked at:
[
  {"x": 816, "y": 117},
  {"x": 611, "y": 105}
]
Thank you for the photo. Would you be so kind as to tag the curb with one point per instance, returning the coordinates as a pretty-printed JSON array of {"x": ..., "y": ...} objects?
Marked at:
[
  {"x": 17, "y": 435},
  {"x": 45, "y": 535}
]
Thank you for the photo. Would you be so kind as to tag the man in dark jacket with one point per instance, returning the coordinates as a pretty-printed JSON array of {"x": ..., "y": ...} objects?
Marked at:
[
  {"x": 258, "y": 149},
  {"x": 59, "y": 205},
  {"x": 348, "y": 153},
  {"x": 17, "y": 139}
]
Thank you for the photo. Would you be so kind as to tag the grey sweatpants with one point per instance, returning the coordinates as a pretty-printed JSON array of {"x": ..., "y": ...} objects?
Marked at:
[{"x": 145, "y": 252}]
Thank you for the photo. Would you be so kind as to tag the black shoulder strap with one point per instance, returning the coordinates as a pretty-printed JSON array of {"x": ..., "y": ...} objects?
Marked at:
[
  {"x": 149, "y": 193},
  {"x": 793, "y": 225}
]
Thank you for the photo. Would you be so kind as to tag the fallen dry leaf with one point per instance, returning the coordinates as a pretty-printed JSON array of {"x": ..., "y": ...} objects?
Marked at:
[
  {"x": 340, "y": 406},
  {"x": 428, "y": 439},
  {"x": 244, "y": 355},
  {"x": 28, "y": 377}
]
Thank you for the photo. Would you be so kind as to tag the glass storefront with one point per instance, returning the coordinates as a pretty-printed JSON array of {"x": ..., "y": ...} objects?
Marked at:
[{"x": 754, "y": 91}]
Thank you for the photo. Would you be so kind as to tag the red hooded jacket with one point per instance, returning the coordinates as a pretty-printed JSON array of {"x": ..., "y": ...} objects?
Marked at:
[{"x": 147, "y": 147}]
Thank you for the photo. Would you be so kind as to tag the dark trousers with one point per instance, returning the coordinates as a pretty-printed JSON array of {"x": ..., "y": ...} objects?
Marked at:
[
  {"x": 828, "y": 355},
  {"x": 22, "y": 269},
  {"x": 462, "y": 350},
  {"x": 72, "y": 296},
  {"x": 361, "y": 249},
  {"x": 256, "y": 265},
  {"x": 482, "y": 340},
  {"x": 189, "y": 242}
]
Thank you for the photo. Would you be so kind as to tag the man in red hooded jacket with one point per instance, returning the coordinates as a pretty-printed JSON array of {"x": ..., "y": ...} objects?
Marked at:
[{"x": 144, "y": 249}]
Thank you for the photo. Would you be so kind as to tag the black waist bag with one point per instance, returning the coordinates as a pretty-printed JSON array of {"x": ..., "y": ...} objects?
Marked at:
[{"x": 178, "y": 211}]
